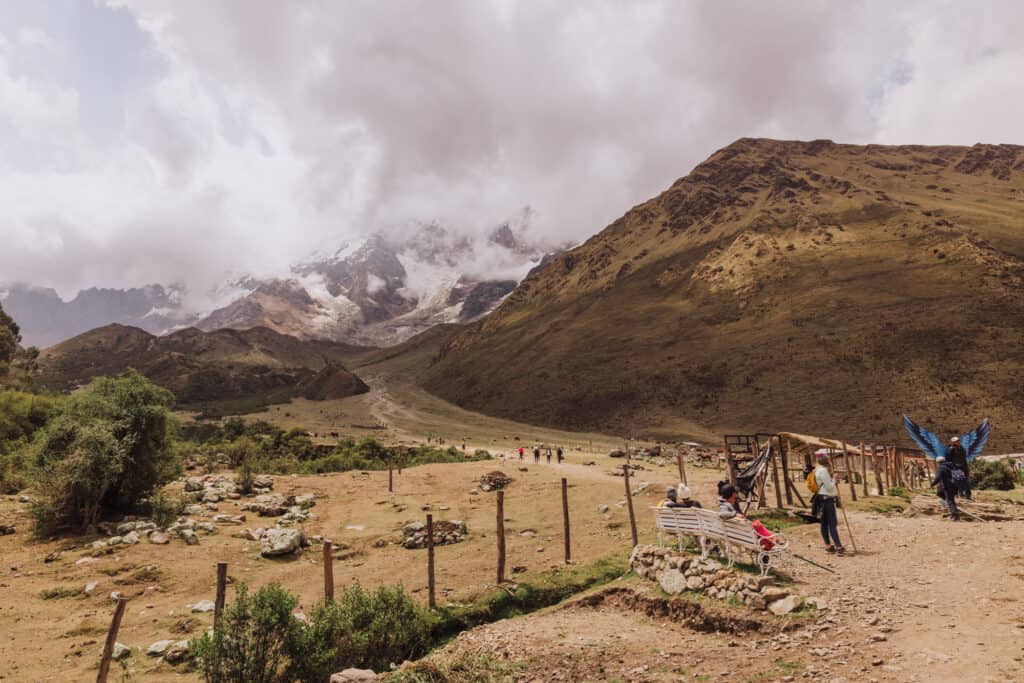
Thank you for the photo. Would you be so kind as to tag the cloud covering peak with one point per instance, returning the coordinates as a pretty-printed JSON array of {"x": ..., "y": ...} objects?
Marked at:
[{"x": 160, "y": 141}]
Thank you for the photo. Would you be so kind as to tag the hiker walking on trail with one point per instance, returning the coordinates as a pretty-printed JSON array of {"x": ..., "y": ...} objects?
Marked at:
[
  {"x": 828, "y": 493},
  {"x": 956, "y": 456},
  {"x": 559, "y": 453},
  {"x": 548, "y": 454},
  {"x": 536, "y": 455},
  {"x": 947, "y": 488},
  {"x": 520, "y": 453}
]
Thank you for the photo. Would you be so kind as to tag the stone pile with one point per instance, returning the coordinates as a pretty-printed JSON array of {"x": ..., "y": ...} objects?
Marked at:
[
  {"x": 494, "y": 481},
  {"x": 414, "y": 534},
  {"x": 676, "y": 572}
]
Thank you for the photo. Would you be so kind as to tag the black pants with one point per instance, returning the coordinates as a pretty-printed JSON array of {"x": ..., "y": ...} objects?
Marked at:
[
  {"x": 954, "y": 513},
  {"x": 829, "y": 520}
]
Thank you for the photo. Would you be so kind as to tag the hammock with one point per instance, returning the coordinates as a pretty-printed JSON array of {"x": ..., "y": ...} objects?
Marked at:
[{"x": 746, "y": 480}]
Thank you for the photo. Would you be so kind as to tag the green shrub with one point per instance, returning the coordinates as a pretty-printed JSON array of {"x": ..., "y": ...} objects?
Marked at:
[
  {"x": 21, "y": 415},
  {"x": 996, "y": 475},
  {"x": 250, "y": 643},
  {"x": 245, "y": 478},
  {"x": 361, "y": 629},
  {"x": 108, "y": 448},
  {"x": 165, "y": 510},
  {"x": 898, "y": 492}
]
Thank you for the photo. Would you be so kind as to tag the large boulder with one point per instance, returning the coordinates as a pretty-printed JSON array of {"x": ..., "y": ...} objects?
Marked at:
[
  {"x": 786, "y": 605},
  {"x": 278, "y": 541},
  {"x": 672, "y": 581}
]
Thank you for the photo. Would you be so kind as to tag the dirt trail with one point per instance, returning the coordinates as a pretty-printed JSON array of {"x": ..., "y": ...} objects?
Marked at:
[{"x": 924, "y": 600}]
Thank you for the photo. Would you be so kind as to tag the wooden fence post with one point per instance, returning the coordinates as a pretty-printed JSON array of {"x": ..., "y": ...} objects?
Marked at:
[
  {"x": 328, "y": 571},
  {"x": 108, "y": 647},
  {"x": 730, "y": 464},
  {"x": 629, "y": 504},
  {"x": 501, "y": 537},
  {"x": 876, "y": 466},
  {"x": 849, "y": 473},
  {"x": 391, "y": 478},
  {"x": 682, "y": 469},
  {"x": 222, "y": 582},
  {"x": 775, "y": 480},
  {"x": 565, "y": 519},
  {"x": 864, "y": 469},
  {"x": 431, "y": 598},
  {"x": 786, "y": 483}
]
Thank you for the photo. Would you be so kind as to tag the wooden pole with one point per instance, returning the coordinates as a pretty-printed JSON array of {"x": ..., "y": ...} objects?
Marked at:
[
  {"x": 885, "y": 469},
  {"x": 730, "y": 464},
  {"x": 786, "y": 483},
  {"x": 222, "y": 582},
  {"x": 775, "y": 481},
  {"x": 863, "y": 470},
  {"x": 847, "y": 520},
  {"x": 629, "y": 504},
  {"x": 328, "y": 571},
  {"x": 431, "y": 598},
  {"x": 501, "y": 537},
  {"x": 849, "y": 472},
  {"x": 876, "y": 466},
  {"x": 682, "y": 469},
  {"x": 565, "y": 519},
  {"x": 108, "y": 647},
  {"x": 391, "y": 478}
]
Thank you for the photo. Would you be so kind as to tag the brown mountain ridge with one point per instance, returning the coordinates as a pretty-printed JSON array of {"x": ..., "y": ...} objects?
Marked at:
[
  {"x": 810, "y": 286},
  {"x": 233, "y": 370}
]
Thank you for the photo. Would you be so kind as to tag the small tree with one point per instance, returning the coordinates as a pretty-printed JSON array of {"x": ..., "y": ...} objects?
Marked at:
[{"x": 108, "y": 448}]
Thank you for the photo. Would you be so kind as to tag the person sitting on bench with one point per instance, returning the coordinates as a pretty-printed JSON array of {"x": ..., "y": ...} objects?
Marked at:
[
  {"x": 728, "y": 503},
  {"x": 683, "y": 495}
]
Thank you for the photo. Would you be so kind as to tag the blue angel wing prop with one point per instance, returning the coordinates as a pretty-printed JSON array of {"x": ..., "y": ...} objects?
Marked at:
[
  {"x": 930, "y": 443},
  {"x": 974, "y": 442}
]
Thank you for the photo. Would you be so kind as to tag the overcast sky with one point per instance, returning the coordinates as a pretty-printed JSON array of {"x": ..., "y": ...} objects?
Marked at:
[{"x": 177, "y": 140}]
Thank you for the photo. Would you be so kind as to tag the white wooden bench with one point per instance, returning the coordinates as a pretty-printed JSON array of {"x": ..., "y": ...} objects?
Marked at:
[
  {"x": 730, "y": 535},
  {"x": 683, "y": 523}
]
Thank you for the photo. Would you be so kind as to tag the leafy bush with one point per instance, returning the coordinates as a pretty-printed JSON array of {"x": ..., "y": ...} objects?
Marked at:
[
  {"x": 245, "y": 479},
  {"x": 21, "y": 415},
  {"x": 251, "y": 641},
  {"x": 109, "y": 447},
  {"x": 361, "y": 629},
  {"x": 996, "y": 475},
  {"x": 165, "y": 510},
  {"x": 898, "y": 492}
]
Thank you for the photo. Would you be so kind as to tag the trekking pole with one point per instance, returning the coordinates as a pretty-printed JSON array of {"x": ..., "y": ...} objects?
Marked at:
[
  {"x": 820, "y": 566},
  {"x": 847, "y": 520}
]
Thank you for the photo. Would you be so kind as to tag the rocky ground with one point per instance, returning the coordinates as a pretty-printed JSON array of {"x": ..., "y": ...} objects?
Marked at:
[{"x": 922, "y": 600}]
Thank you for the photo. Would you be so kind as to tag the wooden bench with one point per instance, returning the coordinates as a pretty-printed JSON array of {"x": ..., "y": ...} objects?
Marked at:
[
  {"x": 683, "y": 523},
  {"x": 730, "y": 535}
]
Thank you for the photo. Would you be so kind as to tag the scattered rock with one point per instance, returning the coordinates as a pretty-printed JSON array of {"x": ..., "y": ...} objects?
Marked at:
[
  {"x": 672, "y": 581},
  {"x": 785, "y": 605},
  {"x": 120, "y": 652},
  {"x": 159, "y": 648},
  {"x": 353, "y": 676},
  {"x": 203, "y": 606},
  {"x": 445, "y": 533},
  {"x": 189, "y": 537},
  {"x": 602, "y": 509},
  {"x": 158, "y": 538},
  {"x": 494, "y": 481},
  {"x": 278, "y": 541},
  {"x": 131, "y": 538},
  {"x": 178, "y": 651},
  {"x": 90, "y": 587},
  {"x": 7, "y": 529}
]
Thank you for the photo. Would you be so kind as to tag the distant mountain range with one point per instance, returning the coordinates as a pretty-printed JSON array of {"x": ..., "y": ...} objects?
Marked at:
[
  {"x": 379, "y": 291},
  {"x": 227, "y": 370}
]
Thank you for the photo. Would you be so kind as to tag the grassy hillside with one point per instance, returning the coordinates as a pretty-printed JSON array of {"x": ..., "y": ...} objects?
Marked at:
[
  {"x": 226, "y": 370},
  {"x": 781, "y": 285}
]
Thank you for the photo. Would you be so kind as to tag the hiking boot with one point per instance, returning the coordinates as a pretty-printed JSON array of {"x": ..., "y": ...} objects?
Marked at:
[
  {"x": 830, "y": 549},
  {"x": 840, "y": 550}
]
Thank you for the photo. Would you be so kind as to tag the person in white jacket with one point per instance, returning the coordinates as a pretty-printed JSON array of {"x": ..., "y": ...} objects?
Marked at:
[{"x": 828, "y": 492}]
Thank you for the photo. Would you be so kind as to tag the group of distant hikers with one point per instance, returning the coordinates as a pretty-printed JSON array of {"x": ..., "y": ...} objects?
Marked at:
[{"x": 536, "y": 454}]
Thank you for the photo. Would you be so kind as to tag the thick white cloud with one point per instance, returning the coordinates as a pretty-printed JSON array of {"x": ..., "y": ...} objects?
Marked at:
[{"x": 258, "y": 130}]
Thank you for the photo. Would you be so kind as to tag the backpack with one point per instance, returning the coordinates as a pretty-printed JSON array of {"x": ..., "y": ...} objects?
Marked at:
[{"x": 812, "y": 482}]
